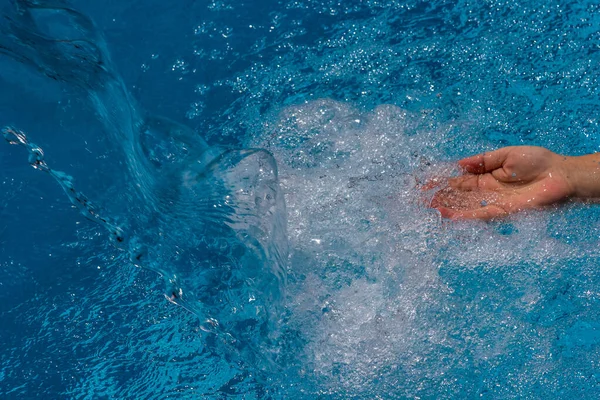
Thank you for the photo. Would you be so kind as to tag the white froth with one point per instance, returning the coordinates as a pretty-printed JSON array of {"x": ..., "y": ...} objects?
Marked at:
[{"x": 378, "y": 293}]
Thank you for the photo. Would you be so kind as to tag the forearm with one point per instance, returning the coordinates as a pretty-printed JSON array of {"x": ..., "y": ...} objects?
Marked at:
[{"x": 583, "y": 173}]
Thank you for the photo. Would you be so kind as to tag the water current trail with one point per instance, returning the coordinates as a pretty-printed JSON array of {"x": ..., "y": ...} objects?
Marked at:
[{"x": 210, "y": 221}]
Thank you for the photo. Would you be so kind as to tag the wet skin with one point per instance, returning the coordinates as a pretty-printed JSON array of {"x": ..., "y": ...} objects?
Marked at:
[{"x": 512, "y": 179}]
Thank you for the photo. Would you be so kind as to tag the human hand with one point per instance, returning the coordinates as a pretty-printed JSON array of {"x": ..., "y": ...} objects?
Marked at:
[{"x": 506, "y": 181}]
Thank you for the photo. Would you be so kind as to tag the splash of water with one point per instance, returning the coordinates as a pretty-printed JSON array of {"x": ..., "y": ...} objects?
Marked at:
[{"x": 211, "y": 221}]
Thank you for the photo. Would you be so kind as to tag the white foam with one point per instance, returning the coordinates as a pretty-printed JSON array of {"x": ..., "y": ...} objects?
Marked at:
[{"x": 369, "y": 296}]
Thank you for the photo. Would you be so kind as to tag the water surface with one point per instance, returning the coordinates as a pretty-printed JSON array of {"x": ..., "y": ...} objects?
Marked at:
[{"x": 258, "y": 165}]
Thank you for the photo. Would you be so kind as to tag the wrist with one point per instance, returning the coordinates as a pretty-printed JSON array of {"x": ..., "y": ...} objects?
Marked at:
[{"x": 582, "y": 174}]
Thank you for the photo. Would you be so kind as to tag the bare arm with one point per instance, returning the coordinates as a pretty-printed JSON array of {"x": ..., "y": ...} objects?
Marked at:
[
  {"x": 512, "y": 179},
  {"x": 584, "y": 174}
]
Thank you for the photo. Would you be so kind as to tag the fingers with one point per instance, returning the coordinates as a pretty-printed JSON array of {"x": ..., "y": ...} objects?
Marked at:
[
  {"x": 485, "y": 162},
  {"x": 433, "y": 183},
  {"x": 464, "y": 182},
  {"x": 484, "y": 213},
  {"x": 474, "y": 182}
]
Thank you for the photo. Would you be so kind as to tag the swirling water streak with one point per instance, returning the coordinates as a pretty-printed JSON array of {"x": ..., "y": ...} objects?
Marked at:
[{"x": 211, "y": 221}]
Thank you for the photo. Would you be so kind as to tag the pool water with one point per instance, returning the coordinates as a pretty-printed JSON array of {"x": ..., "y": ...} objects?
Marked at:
[{"x": 225, "y": 200}]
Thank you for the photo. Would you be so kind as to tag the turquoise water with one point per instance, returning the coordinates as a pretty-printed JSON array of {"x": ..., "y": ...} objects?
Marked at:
[{"x": 224, "y": 201}]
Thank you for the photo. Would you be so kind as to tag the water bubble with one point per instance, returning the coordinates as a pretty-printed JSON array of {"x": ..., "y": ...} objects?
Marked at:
[
  {"x": 180, "y": 66},
  {"x": 195, "y": 110},
  {"x": 217, "y": 5},
  {"x": 201, "y": 89},
  {"x": 226, "y": 32}
]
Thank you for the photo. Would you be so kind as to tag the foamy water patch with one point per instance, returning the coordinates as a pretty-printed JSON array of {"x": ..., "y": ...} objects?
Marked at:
[
  {"x": 386, "y": 294},
  {"x": 361, "y": 239}
]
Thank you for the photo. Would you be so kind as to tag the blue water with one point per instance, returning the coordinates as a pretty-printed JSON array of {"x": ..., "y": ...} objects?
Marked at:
[{"x": 224, "y": 200}]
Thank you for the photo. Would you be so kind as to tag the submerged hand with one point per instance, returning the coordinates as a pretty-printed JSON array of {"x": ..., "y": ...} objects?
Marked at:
[{"x": 505, "y": 181}]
